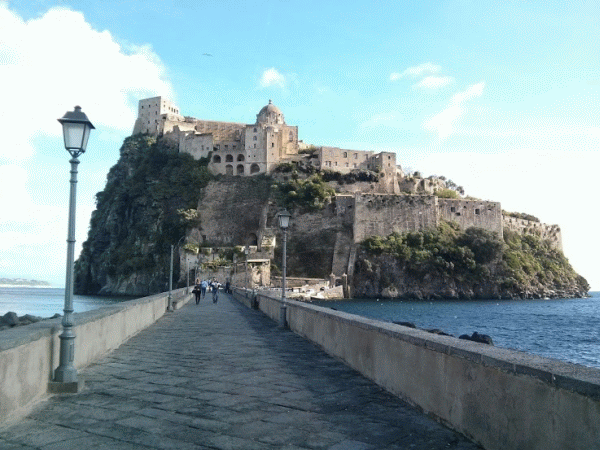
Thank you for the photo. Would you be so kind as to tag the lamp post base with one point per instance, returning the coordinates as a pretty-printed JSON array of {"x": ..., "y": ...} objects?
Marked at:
[
  {"x": 283, "y": 317},
  {"x": 58, "y": 387}
]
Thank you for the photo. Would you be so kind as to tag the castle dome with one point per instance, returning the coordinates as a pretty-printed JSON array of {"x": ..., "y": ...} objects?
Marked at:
[{"x": 270, "y": 114}]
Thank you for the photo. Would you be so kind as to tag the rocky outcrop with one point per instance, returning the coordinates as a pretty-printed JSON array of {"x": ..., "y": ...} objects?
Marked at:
[{"x": 383, "y": 276}]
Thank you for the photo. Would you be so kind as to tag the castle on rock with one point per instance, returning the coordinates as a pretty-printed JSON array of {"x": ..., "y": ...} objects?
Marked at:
[{"x": 250, "y": 149}]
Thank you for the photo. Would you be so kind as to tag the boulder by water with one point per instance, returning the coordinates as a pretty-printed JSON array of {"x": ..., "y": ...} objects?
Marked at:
[
  {"x": 11, "y": 320},
  {"x": 476, "y": 337}
]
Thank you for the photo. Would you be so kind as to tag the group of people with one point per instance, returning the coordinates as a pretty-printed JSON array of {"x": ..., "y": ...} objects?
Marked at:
[{"x": 201, "y": 287}]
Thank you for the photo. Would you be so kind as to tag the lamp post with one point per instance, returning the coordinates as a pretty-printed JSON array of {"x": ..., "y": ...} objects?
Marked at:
[
  {"x": 246, "y": 252},
  {"x": 76, "y": 132},
  {"x": 284, "y": 222},
  {"x": 170, "y": 298}
]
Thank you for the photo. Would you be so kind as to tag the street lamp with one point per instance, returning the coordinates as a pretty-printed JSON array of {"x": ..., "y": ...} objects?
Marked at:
[
  {"x": 246, "y": 252},
  {"x": 170, "y": 298},
  {"x": 76, "y": 132},
  {"x": 284, "y": 222}
]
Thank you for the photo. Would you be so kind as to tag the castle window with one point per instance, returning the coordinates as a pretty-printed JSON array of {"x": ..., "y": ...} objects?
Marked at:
[
  {"x": 240, "y": 157},
  {"x": 452, "y": 209},
  {"x": 255, "y": 129},
  {"x": 254, "y": 168},
  {"x": 226, "y": 147},
  {"x": 356, "y": 156},
  {"x": 254, "y": 138},
  {"x": 477, "y": 211},
  {"x": 272, "y": 144},
  {"x": 240, "y": 169},
  {"x": 216, "y": 159},
  {"x": 345, "y": 154},
  {"x": 229, "y": 158}
]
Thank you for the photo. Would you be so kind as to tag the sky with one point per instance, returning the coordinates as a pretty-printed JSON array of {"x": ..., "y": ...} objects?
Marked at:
[{"x": 502, "y": 97}]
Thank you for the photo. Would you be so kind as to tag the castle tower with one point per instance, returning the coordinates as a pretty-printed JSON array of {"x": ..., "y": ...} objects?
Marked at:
[{"x": 150, "y": 114}]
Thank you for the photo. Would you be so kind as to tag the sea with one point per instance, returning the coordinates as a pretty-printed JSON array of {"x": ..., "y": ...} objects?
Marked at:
[
  {"x": 45, "y": 302},
  {"x": 564, "y": 329}
]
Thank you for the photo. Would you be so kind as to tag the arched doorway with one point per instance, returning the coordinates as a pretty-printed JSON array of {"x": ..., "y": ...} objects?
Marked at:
[
  {"x": 254, "y": 168},
  {"x": 228, "y": 169}
]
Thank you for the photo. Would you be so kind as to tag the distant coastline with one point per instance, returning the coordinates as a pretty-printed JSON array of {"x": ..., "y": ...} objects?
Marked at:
[{"x": 22, "y": 282}]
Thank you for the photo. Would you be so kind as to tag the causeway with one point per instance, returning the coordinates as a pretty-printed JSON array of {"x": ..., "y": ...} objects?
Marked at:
[{"x": 223, "y": 376}]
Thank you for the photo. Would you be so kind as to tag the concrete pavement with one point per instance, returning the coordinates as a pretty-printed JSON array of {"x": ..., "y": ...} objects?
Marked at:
[{"x": 221, "y": 376}]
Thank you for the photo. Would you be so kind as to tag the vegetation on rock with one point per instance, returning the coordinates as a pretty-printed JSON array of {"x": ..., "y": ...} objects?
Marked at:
[
  {"x": 144, "y": 208},
  {"x": 308, "y": 194},
  {"x": 447, "y": 262}
]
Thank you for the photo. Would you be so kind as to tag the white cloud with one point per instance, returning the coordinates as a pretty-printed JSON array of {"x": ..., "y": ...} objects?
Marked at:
[
  {"x": 271, "y": 77},
  {"x": 47, "y": 77},
  {"x": 416, "y": 71},
  {"x": 443, "y": 123},
  {"x": 41, "y": 79},
  {"x": 432, "y": 82}
]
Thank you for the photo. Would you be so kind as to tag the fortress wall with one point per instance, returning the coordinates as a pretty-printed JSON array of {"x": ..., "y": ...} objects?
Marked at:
[
  {"x": 523, "y": 226},
  {"x": 222, "y": 131},
  {"x": 500, "y": 398},
  {"x": 197, "y": 145},
  {"x": 472, "y": 213},
  {"x": 343, "y": 160},
  {"x": 383, "y": 214}
]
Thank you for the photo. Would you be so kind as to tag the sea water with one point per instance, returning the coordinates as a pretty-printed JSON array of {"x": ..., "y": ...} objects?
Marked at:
[
  {"x": 565, "y": 329},
  {"x": 45, "y": 302}
]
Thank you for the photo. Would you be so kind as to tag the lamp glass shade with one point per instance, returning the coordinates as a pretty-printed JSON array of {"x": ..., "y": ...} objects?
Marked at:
[
  {"x": 76, "y": 135},
  {"x": 284, "y": 219},
  {"x": 76, "y": 130}
]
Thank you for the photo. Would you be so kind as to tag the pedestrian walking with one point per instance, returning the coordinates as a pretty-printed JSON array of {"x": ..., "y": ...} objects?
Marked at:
[
  {"x": 197, "y": 291},
  {"x": 203, "y": 287},
  {"x": 215, "y": 290}
]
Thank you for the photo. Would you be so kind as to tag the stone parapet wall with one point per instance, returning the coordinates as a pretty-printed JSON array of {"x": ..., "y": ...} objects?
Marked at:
[
  {"x": 500, "y": 398},
  {"x": 30, "y": 354}
]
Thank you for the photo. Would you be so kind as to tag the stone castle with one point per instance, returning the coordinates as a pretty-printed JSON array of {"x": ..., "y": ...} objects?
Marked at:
[{"x": 362, "y": 209}]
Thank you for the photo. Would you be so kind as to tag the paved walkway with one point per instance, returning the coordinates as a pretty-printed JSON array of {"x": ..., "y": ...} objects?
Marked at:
[{"x": 221, "y": 376}]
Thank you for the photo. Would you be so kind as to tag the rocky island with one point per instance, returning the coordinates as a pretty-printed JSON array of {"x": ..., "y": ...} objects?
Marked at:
[{"x": 213, "y": 189}]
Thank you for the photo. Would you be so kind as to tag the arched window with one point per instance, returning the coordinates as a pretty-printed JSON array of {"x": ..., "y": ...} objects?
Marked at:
[
  {"x": 255, "y": 129},
  {"x": 229, "y": 158},
  {"x": 216, "y": 159},
  {"x": 241, "y": 158},
  {"x": 229, "y": 169},
  {"x": 240, "y": 169},
  {"x": 291, "y": 138},
  {"x": 345, "y": 154},
  {"x": 254, "y": 168},
  {"x": 254, "y": 138}
]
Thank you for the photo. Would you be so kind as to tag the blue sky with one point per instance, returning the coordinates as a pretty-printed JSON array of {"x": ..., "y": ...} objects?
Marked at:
[{"x": 500, "y": 96}]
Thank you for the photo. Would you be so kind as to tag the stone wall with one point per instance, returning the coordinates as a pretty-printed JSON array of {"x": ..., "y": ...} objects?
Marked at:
[
  {"x": 500, "y": 398},
  {"x": 472, "y": 213},
  {"x": 383, "y": 214},
  {"x": 523, "y": 226}
]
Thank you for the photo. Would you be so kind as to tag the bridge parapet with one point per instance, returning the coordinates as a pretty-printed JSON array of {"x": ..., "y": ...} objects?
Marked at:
[
  {"x": 29, "y": 354},
  {"x": 500, "y": 398}
]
